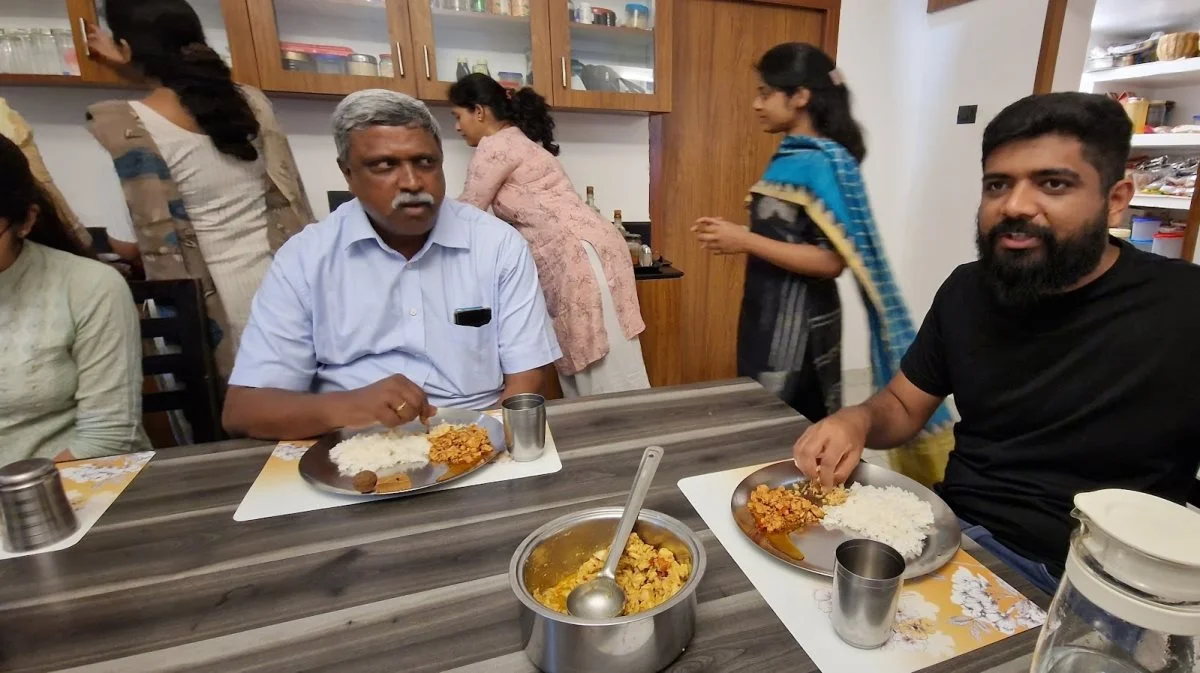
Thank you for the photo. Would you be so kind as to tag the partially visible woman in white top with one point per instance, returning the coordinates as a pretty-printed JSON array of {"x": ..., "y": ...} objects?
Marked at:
[
  {"x": 227, "y": 205},
  {"x": 209, "y": 136},
  {"x": 70, "y": 343}
]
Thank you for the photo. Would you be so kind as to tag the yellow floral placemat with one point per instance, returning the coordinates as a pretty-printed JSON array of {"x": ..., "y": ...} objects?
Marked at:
[
  {"x": 280, "y": 490},
  {"x": 962, "y": 607},
  {"x": 92, "y": 485}
]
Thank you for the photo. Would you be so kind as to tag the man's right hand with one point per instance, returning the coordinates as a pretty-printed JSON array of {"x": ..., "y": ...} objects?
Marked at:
[
  {"x": 830, "y": 450},
  {"x": 392, "y": 401}
]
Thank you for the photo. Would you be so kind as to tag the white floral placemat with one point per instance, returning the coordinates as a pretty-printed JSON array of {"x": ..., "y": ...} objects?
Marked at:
[
  {"x": 279, "y": 488},
  {"x": 91, "y": 486},
  {"x": 962, "y": 607}
]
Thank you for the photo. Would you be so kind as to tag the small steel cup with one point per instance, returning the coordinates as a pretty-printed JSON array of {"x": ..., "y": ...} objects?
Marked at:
[
  {"x": 34, "y": 505},
  {"x": 525, "y": 426},
  {"x": 866, "y": 589}
]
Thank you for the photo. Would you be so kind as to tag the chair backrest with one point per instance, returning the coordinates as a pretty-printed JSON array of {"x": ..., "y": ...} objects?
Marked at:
[
  {"x": 1194, "y": 496},
  {"x": 183, "y": 325}
]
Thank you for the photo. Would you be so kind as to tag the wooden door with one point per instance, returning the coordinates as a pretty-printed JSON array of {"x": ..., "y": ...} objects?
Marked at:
[
  {"x": 604, "y": 67},
  {"x": 710, "y": 149},
  {"x": 323, "y": 47},
  {"x": 512, "y": 48}
]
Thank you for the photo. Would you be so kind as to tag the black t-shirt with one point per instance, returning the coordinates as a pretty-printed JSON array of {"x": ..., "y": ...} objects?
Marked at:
[{"x": 1095, "y": 388}]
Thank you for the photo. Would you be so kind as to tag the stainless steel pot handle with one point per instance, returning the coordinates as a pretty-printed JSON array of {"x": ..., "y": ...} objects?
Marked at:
[
  {"x": 564, "y": 71},
  {"x": 425, "y": 48},
  {"x": 400, "y": 59}
]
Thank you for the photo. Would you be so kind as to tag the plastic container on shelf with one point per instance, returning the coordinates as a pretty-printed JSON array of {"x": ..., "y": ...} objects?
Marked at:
[
  {"x": 1138, "y": 110},
  {"x": 1147, "y": 246},
  {"x": 1168, "y": 244},
  {"x": 1121, "y": 233},
  {"x": 298, "y": 61},
  {"x": 637, "y": 16},
  {"x": 363, "y": 65},
  {"x": 387, "y": 67},
  {"x": 1144, "y": 228},
  {"x": 331, "y": 64}
]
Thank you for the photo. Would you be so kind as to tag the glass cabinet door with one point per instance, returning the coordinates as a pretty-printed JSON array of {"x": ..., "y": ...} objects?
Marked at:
[
  {"x": 505, "y": 39},
  {"x": 611, "y": 54},
  {"x": 37, "y": 41},
  {"x": 332, "y": 46},
  {"x": 228, "y": 36}
]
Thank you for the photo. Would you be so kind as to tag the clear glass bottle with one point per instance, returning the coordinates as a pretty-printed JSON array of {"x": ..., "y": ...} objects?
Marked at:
[
  {"x": 64, "y": 42},
  {"x": 591, "y": 200},
  {"x": 45, "y": 52},
  {"x": 1129, "y": 601}
]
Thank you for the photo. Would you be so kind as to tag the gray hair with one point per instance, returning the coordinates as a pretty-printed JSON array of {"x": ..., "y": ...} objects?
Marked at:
[{"x": 379, "y": 107}]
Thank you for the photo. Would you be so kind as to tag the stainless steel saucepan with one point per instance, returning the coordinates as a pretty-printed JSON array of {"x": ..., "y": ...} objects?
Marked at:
[{"x": 641, "y": 643}]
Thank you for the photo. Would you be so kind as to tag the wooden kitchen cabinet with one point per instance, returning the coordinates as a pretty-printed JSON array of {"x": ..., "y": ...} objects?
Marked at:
[
  {"x": 420, "y": 47},
  {"x": 513, "y": 48},
  {"x": 225, "y": 22},
  {"x": 601, "y": 67},
  {"x": 332, "y": 47}
]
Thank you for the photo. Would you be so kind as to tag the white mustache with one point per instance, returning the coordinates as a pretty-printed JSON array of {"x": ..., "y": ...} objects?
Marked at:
[{"x": 411, "y": 199}]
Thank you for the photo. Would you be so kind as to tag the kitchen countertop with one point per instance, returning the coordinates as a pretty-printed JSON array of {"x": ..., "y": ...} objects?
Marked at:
[
  {"x": 168, "y": 580},
  {"x": 662, "y": 273}
]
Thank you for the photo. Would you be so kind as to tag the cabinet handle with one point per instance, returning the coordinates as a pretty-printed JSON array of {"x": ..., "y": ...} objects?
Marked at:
[
  {"x": 87, "y": 51},
  {"x": 563, "y": 61},
  {"x": 425, "y": 48},
  {"x": 400, "y": 58}
]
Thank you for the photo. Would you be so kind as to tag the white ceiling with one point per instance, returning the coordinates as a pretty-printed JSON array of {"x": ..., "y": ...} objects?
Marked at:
[{"x": 1140, "y": 17}]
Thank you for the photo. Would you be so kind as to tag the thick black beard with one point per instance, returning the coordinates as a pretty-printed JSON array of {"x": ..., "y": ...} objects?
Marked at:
[{"x": 1023, "y": 278}]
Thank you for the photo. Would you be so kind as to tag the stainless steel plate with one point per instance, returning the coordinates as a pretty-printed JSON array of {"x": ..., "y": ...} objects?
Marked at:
[
  {"x": 817, "y": 544},
  {"x": 318, "y": 470}
]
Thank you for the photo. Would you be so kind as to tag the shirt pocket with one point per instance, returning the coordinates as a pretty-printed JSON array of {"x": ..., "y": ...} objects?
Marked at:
[{"x": 470, "y": 356}]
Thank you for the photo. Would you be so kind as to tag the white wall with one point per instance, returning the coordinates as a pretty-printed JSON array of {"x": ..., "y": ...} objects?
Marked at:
[
  {"x": 610, "y": 152},
  {"x": 908, "y": 72}
]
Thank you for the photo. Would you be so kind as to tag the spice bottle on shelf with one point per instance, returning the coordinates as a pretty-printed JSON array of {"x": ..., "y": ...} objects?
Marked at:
[
  {"x": 481, "y": 66},
  {"x": 501, "y": 7},
  {"x": 479, "y": 5},
  {"x": 463, "y": 69}
]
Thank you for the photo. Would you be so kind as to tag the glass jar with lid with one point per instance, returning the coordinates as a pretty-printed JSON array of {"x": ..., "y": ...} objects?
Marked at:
[{"x": 1129, "y": 601}]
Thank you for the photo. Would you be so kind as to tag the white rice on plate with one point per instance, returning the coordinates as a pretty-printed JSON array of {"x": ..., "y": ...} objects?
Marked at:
[
  {"x": 379, "y": 451},
  {"x": 888, "y": 514}
]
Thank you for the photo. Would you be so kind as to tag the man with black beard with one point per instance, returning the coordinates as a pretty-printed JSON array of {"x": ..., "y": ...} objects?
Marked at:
[{"x": 1069, "y": 353}]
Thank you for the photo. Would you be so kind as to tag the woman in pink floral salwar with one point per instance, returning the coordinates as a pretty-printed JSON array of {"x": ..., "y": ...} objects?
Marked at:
[{"x": 583, "y": 261}]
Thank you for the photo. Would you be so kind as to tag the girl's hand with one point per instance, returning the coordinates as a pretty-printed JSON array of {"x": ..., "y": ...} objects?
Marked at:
[
  {"x": 103, "y": 49},
  {"x": 720, "y": 236}
]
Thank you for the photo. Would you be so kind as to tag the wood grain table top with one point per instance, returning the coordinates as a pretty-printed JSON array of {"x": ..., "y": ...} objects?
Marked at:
[{"x": 168, "y": 581}]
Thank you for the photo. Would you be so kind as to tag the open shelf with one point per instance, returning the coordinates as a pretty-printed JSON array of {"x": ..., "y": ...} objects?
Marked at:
[
  {"x": 1159, "y": 73},
  {"x": 1167, "y": 141},
  {"x": 1159, "y": 201}
]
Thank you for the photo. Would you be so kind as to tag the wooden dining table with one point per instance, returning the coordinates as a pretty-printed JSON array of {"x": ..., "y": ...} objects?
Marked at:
[{"x": 168, "y": 581}]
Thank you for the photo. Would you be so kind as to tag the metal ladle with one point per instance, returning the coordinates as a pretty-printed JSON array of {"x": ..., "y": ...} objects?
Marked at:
[{"x": 602, "y": 597}]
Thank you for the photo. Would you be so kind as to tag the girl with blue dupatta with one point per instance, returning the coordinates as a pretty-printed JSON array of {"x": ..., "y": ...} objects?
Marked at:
[{"x": 809, "y": 220}]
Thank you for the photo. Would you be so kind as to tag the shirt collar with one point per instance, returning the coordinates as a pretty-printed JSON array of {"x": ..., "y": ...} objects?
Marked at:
[{"x": 449, "y": 231}]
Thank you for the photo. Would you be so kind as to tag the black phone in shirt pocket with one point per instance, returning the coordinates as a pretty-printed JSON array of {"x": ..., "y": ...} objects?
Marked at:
[{"x": 473, "y": 317}]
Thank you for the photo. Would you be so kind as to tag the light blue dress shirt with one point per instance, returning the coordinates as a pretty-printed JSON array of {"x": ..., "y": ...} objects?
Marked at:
[{"x": 340, "y": 310}]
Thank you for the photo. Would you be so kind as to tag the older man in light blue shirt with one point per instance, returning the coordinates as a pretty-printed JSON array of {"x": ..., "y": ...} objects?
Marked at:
[{"x": 399, "y": 302}]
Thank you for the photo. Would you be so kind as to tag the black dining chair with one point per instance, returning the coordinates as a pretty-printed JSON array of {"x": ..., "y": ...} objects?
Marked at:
[
  {"x": 1194, "y": 496},
  {"x": 184, "y": 371}
]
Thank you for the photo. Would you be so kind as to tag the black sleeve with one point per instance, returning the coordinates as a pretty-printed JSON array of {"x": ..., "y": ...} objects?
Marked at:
[{"x": 925, "y": 362}]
